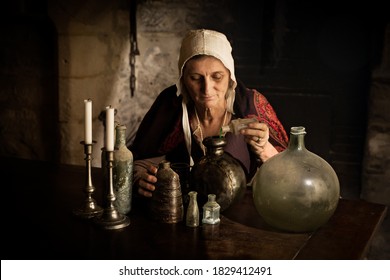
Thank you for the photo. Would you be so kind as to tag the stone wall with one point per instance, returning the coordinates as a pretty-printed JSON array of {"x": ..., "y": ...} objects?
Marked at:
[
  {"x": 93, "y": 51},
  {"x": 28, "y": 93},
  {"x": 376, "y": 171}
]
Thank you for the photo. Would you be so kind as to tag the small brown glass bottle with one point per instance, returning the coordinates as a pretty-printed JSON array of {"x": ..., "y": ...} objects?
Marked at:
[{"x": 192, "y": 216}]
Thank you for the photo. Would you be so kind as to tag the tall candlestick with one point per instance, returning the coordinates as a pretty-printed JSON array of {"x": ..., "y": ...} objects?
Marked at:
[
  {"x": 88, "y": 121},
  {"x": 109, "y": 129},
  {"x": 111, "y": 218},
  {"x": 89, "y": 207}
]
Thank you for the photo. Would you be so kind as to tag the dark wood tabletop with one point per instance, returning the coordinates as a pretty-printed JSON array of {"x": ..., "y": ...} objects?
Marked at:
[{"x": 38, "y": 199}]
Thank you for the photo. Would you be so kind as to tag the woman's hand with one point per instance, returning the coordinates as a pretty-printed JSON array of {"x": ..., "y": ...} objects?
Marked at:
[
  {"x": 257, "y": 135},
  {"x": 147, "y": 181}
]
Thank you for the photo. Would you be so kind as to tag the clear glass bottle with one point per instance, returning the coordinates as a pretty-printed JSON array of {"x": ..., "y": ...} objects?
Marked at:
[
  {"x": 301, "y": 198},
  {"x": 192, "y": 216},
  {"x": 211, "y": 211},
  {"x": 236, "y": 125}
]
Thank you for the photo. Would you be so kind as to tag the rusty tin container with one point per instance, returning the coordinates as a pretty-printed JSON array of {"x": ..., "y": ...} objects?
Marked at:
[{"x": 167, "y": 202}]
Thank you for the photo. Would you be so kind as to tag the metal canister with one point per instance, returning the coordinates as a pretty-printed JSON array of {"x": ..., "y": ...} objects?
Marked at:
[{"x": 167, "y": 201}]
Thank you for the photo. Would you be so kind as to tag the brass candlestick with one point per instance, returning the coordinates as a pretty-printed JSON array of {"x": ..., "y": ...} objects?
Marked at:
[
  {"x": 111, "y": 218},
  {"x": 89, "y": 208}
]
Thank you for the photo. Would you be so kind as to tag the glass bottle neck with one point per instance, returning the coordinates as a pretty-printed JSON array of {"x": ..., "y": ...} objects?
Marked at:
[
  {"x": 192, "y": 194},
  {"x": 297, "y": 142},
  {"x": 211, "y": 197},
  {"x": 297, "y": 139},
  {"x": 120, "y": 138}
]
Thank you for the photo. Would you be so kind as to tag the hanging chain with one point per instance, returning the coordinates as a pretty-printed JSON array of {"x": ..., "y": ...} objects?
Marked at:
[{"x": 133, "y": 44}]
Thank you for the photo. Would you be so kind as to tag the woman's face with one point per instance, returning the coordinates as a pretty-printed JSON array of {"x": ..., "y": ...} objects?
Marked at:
[{"x": 207, "y": 81}]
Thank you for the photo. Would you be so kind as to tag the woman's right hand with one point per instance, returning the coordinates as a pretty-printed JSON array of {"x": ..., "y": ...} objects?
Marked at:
[{"x": 147, "y": 181}]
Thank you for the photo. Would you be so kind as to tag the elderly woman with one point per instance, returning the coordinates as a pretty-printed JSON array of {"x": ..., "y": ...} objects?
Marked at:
[{"x": 206, "y": 97}]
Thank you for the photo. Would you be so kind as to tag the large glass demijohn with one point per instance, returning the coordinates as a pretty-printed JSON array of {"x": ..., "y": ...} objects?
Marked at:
[{"x": 296, "y": 190}]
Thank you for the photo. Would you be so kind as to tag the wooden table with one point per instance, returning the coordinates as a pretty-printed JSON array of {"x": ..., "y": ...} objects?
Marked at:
[{"x": 38, "y": 223}]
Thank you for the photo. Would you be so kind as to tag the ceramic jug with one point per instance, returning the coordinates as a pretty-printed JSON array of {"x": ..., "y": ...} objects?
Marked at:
[{"x": 218, "y": 173}]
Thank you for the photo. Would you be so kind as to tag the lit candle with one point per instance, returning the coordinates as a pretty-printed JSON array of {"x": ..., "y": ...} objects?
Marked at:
[
  {"x": 109, "y": 145},
  {"x": 88, "y": 122}
]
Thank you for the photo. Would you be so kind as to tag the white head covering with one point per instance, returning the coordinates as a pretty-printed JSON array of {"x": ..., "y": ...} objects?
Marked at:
[{"x": 204, "y": 42}]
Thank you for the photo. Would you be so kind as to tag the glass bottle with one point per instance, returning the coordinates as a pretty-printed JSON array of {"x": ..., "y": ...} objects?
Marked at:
[
  {"x": 296, "y": 190},
  {"x": 122, "y": 172},
  {"x": 192, "y": 216},
  {"x": 211, "y": 211},
  {"x": 236, "y": 125}
]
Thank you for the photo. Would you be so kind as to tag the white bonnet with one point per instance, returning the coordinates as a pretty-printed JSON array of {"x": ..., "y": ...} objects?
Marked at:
[{"x": 207, "y": 42}]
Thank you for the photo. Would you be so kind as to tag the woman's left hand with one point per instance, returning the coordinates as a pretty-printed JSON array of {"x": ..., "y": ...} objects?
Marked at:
[{"x": 257, "y": 135}]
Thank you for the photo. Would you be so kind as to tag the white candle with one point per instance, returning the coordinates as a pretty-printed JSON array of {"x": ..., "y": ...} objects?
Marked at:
[
  {"x": 109, "y": 145},
  {"x": 88, "y": 122}
]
